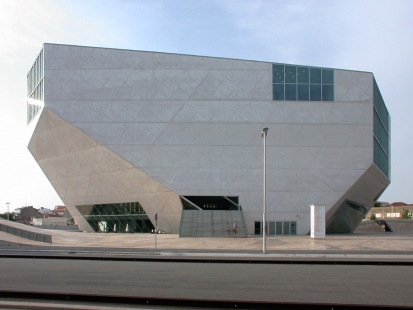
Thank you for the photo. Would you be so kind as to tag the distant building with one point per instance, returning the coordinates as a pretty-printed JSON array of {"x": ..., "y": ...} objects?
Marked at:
[
  {"x": 393, "y": 210},
  {"x": 24, "y": 220},
  {"x": 44, "y": 210},
  {"x": 26, "y": 212},
  {"x": 398, "y": 204},
  {"x": 59, "y": 210},
  {"x": 49, "y": 220},
  {"x": 64, "y": 212}
]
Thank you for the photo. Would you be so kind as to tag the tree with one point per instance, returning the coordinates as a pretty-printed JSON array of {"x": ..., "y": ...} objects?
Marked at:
[
  {"x": 405, "y": 215},
  {"x": 4, "y": 215},
  {"x": 372, "y": 216},
  {"x": 377, "y": 204}
]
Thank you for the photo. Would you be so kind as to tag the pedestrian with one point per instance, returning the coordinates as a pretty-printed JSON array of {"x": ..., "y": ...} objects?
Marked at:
[{"x": 234, "y": 227}]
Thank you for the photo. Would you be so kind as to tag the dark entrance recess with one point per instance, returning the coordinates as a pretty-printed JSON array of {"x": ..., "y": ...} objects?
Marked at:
[
  {"x": 384, "y": 226},
  {"x": 257, "y": 228},
  {"x": 210, "y": 203}
]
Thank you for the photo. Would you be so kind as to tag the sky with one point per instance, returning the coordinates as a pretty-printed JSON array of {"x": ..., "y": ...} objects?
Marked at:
[{"x": 363, "y": 35}]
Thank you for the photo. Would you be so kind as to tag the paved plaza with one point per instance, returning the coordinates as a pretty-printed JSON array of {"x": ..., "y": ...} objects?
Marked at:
[{"x": 374, "y": 243}]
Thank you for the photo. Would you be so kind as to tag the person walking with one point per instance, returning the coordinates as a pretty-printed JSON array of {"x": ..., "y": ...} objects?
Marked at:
[{"x": 234, "y": 228}]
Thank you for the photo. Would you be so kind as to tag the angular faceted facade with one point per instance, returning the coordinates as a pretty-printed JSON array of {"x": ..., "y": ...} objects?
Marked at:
[{"x": 123, "y": 135}]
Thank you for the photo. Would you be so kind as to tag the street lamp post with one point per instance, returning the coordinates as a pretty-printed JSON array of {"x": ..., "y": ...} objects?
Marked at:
[
  {"x": 8, "y": 203},
  {"x": 264, "y": 216}
]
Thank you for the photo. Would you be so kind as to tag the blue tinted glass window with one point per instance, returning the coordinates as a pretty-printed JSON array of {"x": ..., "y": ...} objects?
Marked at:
[
  {"x": 328, "y": 76},
  {"x": 328, "y": 92},
  {"x": 315, "y": 76},
  {"x": 302, "y": 83},
  {"x": 315, "y": 92},
  {"x": 290, "y": 91},
  {"x": 303, "y": 75},
  {"x": 380, "y": 133},
  {"x": 380, "y": 158},
  {"x": 119, "y": 217},
  {"x": 290, "y": 74},
  {"x": 278, "y": 91},
  {"x": 380, "y": 106},
  {"x": 278, "y": 73},
  {"x": 303, "y": 92},
  {"x": 278, "y": 228}
]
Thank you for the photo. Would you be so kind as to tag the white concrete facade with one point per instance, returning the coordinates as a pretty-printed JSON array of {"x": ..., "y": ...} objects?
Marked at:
[{"x": 124, "y": 126}]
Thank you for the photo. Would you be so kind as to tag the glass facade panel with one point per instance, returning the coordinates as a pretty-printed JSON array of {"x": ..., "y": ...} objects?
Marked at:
[
  {"x": 32, "y": 110},
  {"x": 303, "y": 75},
  {"x": 381, "y": 132},
  {"x": 328, "y": 92},
  {"x": 315, "y": 76},
  {"x": 315, "y": 92},
  {"x": 380, "y": 106},
  {"x": 278, "y": 91},
  {"x": 290, "y": 74},
  {"x": 278, "y": 228},
  {"x": 302, "y": 83},
  {"x": 257, "y": 228},
  {"x": 328, "y": 76},
  {"x": 271, "y": 228},
  {"x": 286, "y": 228},
  {"x": 380, "y": 158},
  {"x": 117, "y": 217},
  {"x": 293, "y": 228},
  {"x": 291, "y": 92},
  {"x": 35, "y": 86},
  {"x": 303, "y": 92},
  {"x": 277, "y": 73}
]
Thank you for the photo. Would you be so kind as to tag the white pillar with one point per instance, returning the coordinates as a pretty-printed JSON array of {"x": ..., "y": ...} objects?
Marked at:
[{"x": 318, "y": 221}]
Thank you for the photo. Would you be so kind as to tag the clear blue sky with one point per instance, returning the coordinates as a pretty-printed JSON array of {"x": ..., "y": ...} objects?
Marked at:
[{"x": 364, "y": 35}]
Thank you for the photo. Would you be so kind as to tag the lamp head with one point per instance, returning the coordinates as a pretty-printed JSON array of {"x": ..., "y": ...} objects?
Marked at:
[{"x": 264, "y": 132}]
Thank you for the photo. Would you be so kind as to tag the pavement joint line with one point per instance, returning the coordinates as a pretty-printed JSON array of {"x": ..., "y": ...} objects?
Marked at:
[
  {"x": 103, "y": 253},
  {"x": 215, "y": 257},
  {"x": 38, "y": 304},
  {"x": 193, "y": 303},
  {"x": 219, "y": 254}
]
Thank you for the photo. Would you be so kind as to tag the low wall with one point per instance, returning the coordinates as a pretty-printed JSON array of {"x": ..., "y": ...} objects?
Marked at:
[
  {"x": 368, "y": 227},
  {"x": 7, "y": 243},
  {"x": 399, "y": 225},
  {"x": 20, "y": 232}
]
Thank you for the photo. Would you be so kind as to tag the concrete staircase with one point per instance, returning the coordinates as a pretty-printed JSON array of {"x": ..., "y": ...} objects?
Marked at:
[{"x": 212, "y": 224}]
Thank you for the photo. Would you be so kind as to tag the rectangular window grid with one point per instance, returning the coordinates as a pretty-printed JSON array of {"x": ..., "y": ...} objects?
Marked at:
[
  {"x": 296, "y": 83},
  {"x": 276, "y": 228},
  {"x": 381, "y": 128},
  {"x": 35, "y": 87}
]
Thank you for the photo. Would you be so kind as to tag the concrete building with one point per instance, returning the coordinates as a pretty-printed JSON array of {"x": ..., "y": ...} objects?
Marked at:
[
  {"x": 26, "y": 212},
  {"x": 123, "y": 135},
  {"x": 395, "y": 210},
  {"x": 50, "y": 220}
]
